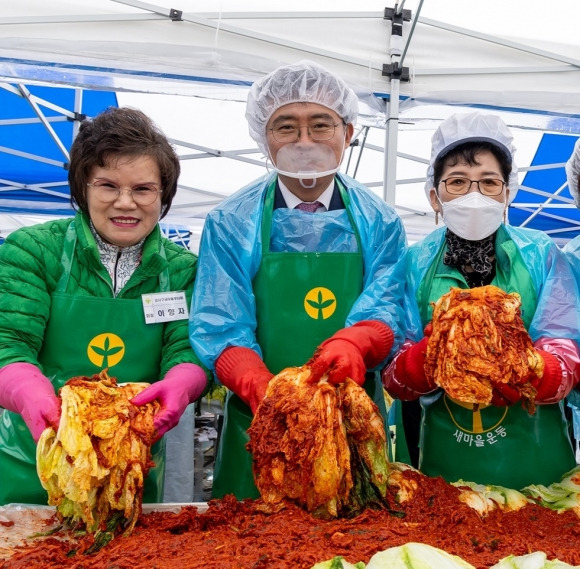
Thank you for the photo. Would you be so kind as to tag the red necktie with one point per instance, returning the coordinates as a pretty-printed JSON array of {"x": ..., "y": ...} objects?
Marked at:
[{"x": 310, "y": 207}]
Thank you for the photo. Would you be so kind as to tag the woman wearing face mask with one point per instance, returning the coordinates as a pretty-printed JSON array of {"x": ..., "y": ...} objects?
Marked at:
[{"x": 470, "y": 177}]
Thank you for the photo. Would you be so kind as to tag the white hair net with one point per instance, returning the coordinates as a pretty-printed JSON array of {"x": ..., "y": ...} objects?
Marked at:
[
  {"x": 472, "y": 127},
  {"x": 573, "y": 171},
  {"x": 304, "y": 81}
]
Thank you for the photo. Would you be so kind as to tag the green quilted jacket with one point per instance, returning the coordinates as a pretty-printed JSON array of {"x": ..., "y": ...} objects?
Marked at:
[{"x": 30, "y": 268}]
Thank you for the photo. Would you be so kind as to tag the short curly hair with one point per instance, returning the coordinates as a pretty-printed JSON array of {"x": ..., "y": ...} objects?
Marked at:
[{"x": 116, "y": 133}]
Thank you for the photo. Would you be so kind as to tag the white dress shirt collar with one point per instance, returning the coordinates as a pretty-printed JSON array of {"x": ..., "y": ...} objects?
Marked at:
[{"x": 292, "y": 201}]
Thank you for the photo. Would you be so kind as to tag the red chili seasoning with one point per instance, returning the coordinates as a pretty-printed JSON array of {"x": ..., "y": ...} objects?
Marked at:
[{"x": 237, "y": 535}]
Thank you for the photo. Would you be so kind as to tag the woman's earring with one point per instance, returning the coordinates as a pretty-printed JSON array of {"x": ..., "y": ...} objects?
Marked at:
[{"x": 436, "y": 218}]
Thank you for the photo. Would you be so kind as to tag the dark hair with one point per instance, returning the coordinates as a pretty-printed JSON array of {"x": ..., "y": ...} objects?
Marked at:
[
  {"x": 116, "y": 133},
  {"x": 467, "y": 152}
]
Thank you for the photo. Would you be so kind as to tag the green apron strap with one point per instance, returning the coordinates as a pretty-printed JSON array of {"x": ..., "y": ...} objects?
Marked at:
[
  {"x": 401, "y": 447},
  {"x": 346, "y": 200},
  {"x": 164, "y": 281},
  {"x": 266, "y": 224},
  {"x": 301, "y": 300},
  {"x": 512, "y": 275},
  {"x": 66, "y": 258}
]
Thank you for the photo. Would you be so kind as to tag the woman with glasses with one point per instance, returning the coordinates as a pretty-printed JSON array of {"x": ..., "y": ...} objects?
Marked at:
[
  {"x": 74, "y": 297},
  {"x": 470, "y": 178},
  {"x": 302, "y": 258}
]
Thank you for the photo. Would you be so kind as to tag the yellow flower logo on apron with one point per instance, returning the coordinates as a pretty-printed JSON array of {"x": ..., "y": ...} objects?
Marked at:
[
  {"x": 106, "y": 350},
  {"x": 320, "y": 303},
  {"x": 477, "y": 426}
]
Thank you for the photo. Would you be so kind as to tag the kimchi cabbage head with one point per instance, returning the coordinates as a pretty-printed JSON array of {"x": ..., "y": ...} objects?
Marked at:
[
  {"x": 319, "y": 445},
  {"x": 95, "y": 464},
  {"x": 478, "y": 342}
]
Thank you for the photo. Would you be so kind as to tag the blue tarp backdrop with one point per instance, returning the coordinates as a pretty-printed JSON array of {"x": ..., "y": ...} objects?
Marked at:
[
  {"x": 38, "y": 123},
  {"x": 558, "y": 216},
  {"x": 33, "y": 166},
  {"x": 34, "y": 149}
]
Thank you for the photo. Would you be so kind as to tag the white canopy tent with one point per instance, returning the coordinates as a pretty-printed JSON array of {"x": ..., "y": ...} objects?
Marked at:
[{"x": 190, "y": 66}]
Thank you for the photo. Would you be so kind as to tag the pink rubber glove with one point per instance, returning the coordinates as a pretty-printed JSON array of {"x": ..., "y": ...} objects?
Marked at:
[
  {"x": 26, "y": 391},
  {"x": 182, "y": 385},
  {"x": 561, "y": 369}
]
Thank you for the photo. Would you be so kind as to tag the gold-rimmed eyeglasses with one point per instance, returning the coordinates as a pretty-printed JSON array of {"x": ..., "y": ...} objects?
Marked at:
[
  {"x": 458, "y": 186},
  {"x": 318, "y": 131},
  {"x": 107, "y": 192}
]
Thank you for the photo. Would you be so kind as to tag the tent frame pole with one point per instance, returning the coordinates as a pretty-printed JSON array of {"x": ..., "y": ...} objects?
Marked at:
[{"x": 397, "y": 73}]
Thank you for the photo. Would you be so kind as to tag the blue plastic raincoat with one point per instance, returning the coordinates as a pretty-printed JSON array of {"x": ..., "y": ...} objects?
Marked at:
[
  {"x": 459, "y": 442},
  {"x": 224, "y": 311},
  {"x": 557, "y": 313},
  {"x": 572, "y": 252},
  {"x": 369, "y": 238}
]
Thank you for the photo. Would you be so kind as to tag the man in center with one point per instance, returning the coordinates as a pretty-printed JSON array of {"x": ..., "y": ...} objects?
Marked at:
[{"x": 304, "y": 264}]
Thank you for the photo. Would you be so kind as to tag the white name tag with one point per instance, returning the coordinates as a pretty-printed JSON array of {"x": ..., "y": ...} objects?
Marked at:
[{"x": 164, "y": 307}]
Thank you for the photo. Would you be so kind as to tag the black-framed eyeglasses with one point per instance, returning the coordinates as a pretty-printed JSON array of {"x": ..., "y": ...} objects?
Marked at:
[
  {"x": 458, "y": 186},
  {"x": 318, "y": 131},
  {"x": 107, "y": 192}
]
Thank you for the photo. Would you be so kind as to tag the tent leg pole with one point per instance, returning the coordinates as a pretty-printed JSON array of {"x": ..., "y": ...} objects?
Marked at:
[{"x": 391, "y": 140}]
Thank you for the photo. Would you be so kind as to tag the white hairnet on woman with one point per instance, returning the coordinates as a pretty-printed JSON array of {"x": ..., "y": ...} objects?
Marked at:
[
  {"x": 304, "y": 81},
  {"x": 573, "y": 172},
  {"x": 472, "y": 127},
  {"x": 498, "y": 442}
]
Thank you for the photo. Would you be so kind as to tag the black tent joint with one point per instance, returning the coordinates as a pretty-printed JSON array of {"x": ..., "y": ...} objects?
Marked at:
[
  {"x": 77, "y": 117},
  {"x": 175, "y": 15},
  {"x": 397, "y": 17},
  {"x": 395, "y": 71}
]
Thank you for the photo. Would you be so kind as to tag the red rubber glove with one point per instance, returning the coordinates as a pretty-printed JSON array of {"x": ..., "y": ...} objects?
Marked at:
[
  {"x": 503, "y": 395},
  {"x": 182, "y": 385},
  {"x": 26, "y": 391},
  {"x": 242, "y": 371},
  {"x": 351, "y": 351},
  {"x": 405, "y": 377},
  {"x": 549, "y": 384}
]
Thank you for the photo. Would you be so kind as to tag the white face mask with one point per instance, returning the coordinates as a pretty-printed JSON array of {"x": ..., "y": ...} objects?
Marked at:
[
  {"x": 473, "y": 216},
  {"x": 306, "y": 162}
]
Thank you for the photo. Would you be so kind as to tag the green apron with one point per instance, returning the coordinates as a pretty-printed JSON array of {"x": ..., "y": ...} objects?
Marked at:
[
  {"x": 301, "y": 300},
  {"x": 505, "y": 446},
  {"x": 84, "y": 334}
]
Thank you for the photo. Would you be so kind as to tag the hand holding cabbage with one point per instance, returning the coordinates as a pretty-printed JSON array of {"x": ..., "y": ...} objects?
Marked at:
[{"x": 94, "y": 466}]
